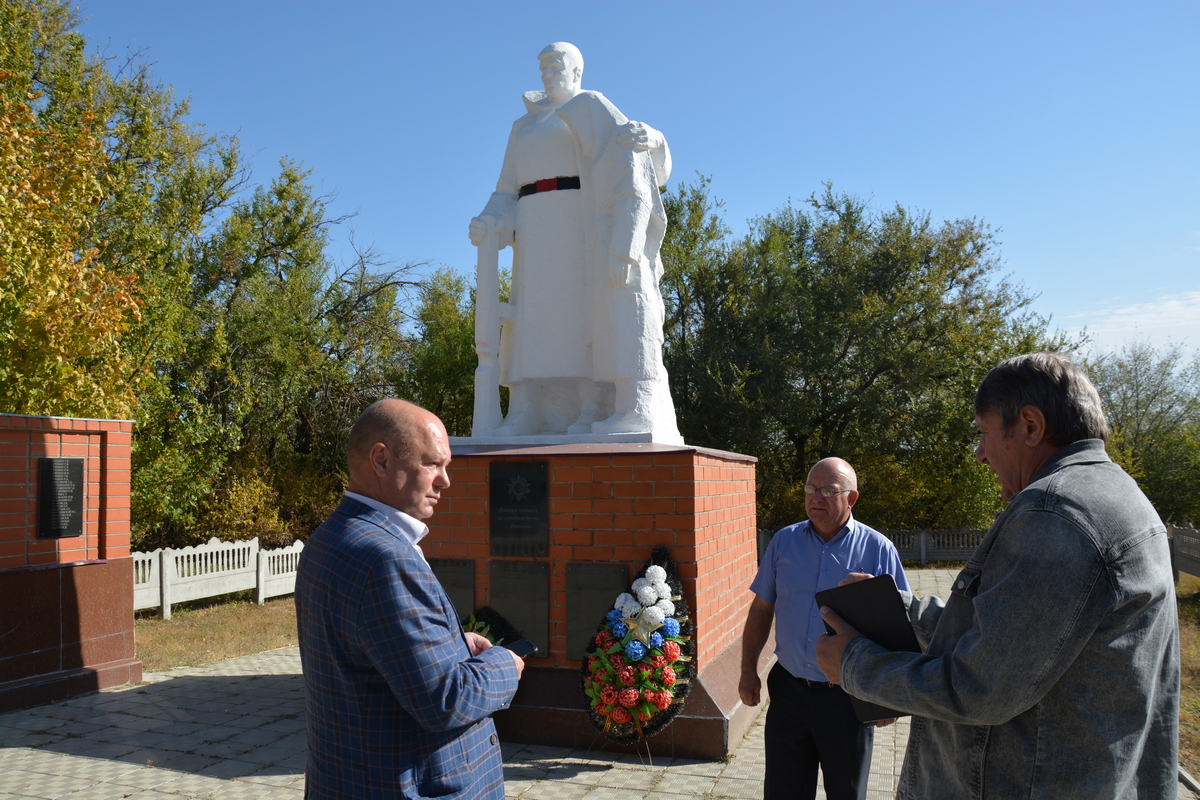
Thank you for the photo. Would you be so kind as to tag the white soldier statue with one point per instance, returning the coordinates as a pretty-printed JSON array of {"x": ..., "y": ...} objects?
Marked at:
[{"x": 579, "y": 343}]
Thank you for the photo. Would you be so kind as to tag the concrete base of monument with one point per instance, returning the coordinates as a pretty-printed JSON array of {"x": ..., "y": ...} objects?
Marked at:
[
  {"x": 538, "y": 439},
  {"x": 548, "y": 709},
  {"x": 71, "y": 633}
]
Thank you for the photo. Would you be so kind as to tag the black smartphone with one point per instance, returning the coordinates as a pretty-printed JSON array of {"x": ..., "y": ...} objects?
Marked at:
[{"x": 522, "y": 647}]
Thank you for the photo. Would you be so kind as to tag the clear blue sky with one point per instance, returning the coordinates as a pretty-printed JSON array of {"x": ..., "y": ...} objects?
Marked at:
[{"x": 1071, "y": 127}]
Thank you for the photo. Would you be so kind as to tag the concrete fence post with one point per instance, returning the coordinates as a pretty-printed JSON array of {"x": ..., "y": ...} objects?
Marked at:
[
  {"x": 260, "y": 589},
  {"x": 1171, "y": 546},
  {"x": 923, "y": 538},
  {"x": 166, "y": 566}
]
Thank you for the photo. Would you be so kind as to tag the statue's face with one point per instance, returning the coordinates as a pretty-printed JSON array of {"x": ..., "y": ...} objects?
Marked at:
[{"x": 560, "y": 77}]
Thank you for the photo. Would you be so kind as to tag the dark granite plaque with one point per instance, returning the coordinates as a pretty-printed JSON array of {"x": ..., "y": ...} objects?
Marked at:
[
  {"x": 458, "y": 579},
  {"x": 520, "y": 508},
  {"x": 60, "y": 498},
  {"x": 521, "y": 592},
  {"x": 591, "y": 590}
]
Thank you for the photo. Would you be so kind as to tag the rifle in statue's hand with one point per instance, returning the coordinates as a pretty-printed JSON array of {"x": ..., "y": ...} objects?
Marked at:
[{"x": 487, "y": 415}]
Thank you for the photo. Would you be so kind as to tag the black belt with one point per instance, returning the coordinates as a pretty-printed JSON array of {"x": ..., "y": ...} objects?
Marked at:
[{"x": 549, "y": 185}]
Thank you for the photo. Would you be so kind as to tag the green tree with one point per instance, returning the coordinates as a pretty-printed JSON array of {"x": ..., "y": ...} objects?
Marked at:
[
  {"x": 835, "y": 330},
  {"x": 62, "y": 311},
  {"x": 440, "y": 369},
  {"x": 294, "y": 350},
  {"x": 133, "y": 285},
  {"x": 1152, "y": 400}
]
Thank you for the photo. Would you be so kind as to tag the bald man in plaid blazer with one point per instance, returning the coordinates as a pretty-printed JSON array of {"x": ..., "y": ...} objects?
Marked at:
[{"x": 398, "y": 697}]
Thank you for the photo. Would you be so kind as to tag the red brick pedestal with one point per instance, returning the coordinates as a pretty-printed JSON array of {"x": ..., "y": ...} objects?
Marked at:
[
  {"x": 611, "y": 504},
  {"x": 66, "y": 605}
]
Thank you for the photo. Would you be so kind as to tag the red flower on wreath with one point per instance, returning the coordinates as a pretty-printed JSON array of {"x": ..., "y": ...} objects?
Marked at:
[
  {"x": 668, "y": 676},
  {"x": 608, "y": 695},
  {"x": 658, "y": 662},
  {"x": 643, "y": 715},
  {"x": 620, "y": 715},
  {"x": 628, "y": 697},
  {"x": 617, "y": 660},
  {"x": 626, "y": 675},
  {"x": 671, "y": 651},
  {"x": 661, "y": 700}
]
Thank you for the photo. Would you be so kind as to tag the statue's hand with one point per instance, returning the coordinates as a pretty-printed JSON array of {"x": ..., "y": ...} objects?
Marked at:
[
  {"x": 639, "y": 136},
  {"x": 618, "y": 271},
  {"x": 481, "y": 227}
]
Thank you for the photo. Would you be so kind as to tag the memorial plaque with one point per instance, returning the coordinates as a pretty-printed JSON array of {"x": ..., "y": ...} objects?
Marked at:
[
  {"x": 591, "y": 590},
  {"x": 521, "y": 592},
  {"x": 519, "y": 511},
  {"x": 60, "y": 498},
  {"x": 458, "y": 579}
]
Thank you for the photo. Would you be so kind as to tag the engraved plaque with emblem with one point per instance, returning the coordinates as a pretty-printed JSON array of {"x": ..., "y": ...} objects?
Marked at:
[{"x": 519, "y": 511}]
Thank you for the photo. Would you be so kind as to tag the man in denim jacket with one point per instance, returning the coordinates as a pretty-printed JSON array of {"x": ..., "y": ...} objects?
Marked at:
[{"x": 1053, "y": 669}]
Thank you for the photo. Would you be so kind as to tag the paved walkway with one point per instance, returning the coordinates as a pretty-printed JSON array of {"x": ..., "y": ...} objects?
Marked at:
[{"x": 236, "y": 730}]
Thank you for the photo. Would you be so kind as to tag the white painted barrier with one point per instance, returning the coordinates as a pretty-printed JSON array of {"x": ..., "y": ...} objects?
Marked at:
[{"x": 167, "y": 575}]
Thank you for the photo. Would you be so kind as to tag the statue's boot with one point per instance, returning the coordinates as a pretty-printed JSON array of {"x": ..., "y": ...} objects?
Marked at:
[
  {"x": 589, "y": 403},
  {"x": 517, "y": 425},
  {"x": 519, "y": 420},
  {"x": 633, "y": 403}
]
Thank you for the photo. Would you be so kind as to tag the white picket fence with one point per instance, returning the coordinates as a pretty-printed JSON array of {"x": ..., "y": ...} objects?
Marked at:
[
  {"x": 953, "y": 544},
  {"x": 167, "y": 575}
]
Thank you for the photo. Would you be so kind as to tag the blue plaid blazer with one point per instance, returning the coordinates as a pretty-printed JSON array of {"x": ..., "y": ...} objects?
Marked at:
[{"x": 396, "y": 705}]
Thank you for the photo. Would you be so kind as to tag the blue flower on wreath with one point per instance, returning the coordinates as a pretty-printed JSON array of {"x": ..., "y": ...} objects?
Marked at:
[
  {"x": 635, "y": 650},
  {"x": 613, "y": 616},
  {"x": 670, "y": 627},
  {"x": 619, "y": 629},
  {"x": 656, "y": 639}
]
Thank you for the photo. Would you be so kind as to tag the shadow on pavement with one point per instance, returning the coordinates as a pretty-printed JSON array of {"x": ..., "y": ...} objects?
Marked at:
[{"x": 218, "y": 726}]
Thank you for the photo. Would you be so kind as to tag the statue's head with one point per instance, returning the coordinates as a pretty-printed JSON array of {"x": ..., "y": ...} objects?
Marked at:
[{"x": 562, "y": 71}]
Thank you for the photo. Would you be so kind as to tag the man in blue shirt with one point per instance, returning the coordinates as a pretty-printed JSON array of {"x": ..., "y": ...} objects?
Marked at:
[
  {"x": 810, "y": 722},
  {"x": 399, "y": 699}
]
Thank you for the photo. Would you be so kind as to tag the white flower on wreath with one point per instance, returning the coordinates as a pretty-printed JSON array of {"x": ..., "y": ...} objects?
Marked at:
[
  {"x": 655, "y": 574},
  {"x": 647, "y": 596},
  {"x": 663, "y": 590},
  {"x": 639, "y": 583},
  {"x": 666, "y": 606},
  {"x": 627, "y": 605},
  {"x": 652, "y": 616}
]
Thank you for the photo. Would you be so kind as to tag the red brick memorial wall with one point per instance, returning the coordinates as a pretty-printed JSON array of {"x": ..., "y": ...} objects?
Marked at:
[
  {"x": 66, "y": 576},
  {"x": 610, "y": 505}
]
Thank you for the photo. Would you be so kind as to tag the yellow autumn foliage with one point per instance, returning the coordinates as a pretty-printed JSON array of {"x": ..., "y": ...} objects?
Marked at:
[{"x": 61, "y": 312}]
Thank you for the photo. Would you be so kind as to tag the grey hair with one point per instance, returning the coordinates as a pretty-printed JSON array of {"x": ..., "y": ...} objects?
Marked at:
[{"x": 1052, "y": 383}]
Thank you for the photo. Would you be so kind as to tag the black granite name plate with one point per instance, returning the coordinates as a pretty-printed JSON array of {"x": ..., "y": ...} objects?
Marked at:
[
  {"x": 60, "y": 498},
  {"x": 519, "y": 511},
  {"x": 591, "y": 590},
  {"x": 458, "y": 579},
  {"x": 521, "y": 592}
]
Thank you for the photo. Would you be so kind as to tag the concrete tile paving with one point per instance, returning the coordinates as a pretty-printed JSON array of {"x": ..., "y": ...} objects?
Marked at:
[{"x": 235, "y": 731}]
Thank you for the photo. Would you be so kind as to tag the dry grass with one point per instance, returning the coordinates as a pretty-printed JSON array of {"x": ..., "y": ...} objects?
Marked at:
[
  {"x": 1188, "y": 592},
  {"x": 214, "y": 629}
]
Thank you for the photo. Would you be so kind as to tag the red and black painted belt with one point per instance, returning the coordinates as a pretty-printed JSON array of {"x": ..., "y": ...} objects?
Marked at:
[{"x": 549, "y": 185}]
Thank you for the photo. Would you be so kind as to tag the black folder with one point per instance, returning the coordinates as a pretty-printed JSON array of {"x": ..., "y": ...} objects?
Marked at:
[{"x": 876, "y": 611}]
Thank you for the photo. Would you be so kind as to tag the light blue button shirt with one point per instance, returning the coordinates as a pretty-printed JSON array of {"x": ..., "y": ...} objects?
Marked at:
[{"x": 798, "y": 564}]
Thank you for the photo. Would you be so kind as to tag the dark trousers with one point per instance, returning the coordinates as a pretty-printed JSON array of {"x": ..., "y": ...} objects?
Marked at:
[{"x": 807, "y": 727}]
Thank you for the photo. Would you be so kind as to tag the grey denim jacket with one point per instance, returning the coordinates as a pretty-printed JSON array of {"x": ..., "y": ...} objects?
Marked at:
[{"x": 1053, "y": 669}]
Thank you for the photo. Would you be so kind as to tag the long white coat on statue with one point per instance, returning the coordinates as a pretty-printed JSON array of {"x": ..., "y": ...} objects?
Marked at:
[{"x": 578, "y": 201}]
